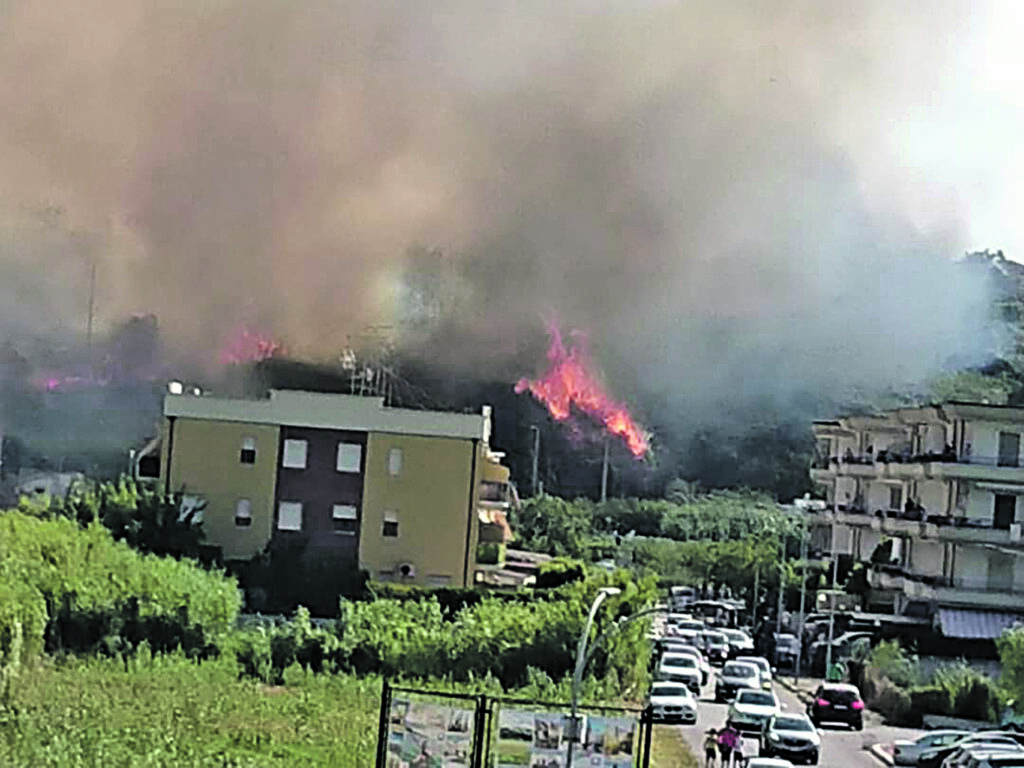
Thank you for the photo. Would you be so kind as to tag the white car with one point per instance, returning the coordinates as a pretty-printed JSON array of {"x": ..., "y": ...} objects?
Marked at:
[
  {"x": 673, "y": 702},
  {"x": 680, "y": 668},
  {"x": 740, "y": 642},
  {"x": 762, "y": 666},
  {"x": 689, "y": 650},
  {"x": 907, "y": 752},
  {"x": 751, "y": 709},
  {"x": 998, "y": 760},
  {"x": 793, "y": 737},
  {"x": 931, "y": 755},
  {"x": 735, "y": 676},
  {"x": 768, "y": 762},
  {"x": 973, "y": 754}
]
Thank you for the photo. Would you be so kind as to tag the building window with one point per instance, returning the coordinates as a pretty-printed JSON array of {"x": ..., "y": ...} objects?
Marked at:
[
  {"x": 289, "y": 516},
  {"x": 248, "y": 453},
  {"x": 395, "y": 462},
  {"x": 1004, "y": 513},
  {"x": 191, "y": 509},
  {"x": 390, "y": 524},
  {"x": 350, "y": 457},
  {"x": 243, "y": 513},
  {"x": 294, "y": 454},
  {"x": 1009, "y": 449},
  {"x": 345, "y": 519},
  {"x": 895, "y": 497}
]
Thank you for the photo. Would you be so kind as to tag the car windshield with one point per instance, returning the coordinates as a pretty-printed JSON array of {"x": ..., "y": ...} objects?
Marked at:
[
  {"x": 669, "y": 690},
  {"x": 735, "y": 635},
  {"x": 761, "y": 664},
  {"x": 793, "y": 724},
  {"x": 757, "y": 698},
  {"x": 786, "y": 643},
  {"x": 679, "y": 660},
  {"x": 740, "y": 670}
]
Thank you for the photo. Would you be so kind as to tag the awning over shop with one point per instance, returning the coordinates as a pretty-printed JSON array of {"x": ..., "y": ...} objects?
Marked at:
[{"x": 976, "y": 625}]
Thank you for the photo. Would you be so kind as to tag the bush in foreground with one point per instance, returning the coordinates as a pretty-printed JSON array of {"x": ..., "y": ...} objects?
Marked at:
[{"x": 65, "y": 588}]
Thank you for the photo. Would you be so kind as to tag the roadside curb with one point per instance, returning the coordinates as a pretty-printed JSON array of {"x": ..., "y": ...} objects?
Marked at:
[
  {"x": 880, "y": 754},
  {"x": 804, "y": 696}
]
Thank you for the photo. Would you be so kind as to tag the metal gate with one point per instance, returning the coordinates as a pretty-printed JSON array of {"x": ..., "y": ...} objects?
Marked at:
[{"x": 420, "y": 728}]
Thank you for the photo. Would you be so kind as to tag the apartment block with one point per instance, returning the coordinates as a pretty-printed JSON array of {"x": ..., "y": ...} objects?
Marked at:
[
  {"x": 931, "y": 499},
  {"x": 405, "y": 495}
]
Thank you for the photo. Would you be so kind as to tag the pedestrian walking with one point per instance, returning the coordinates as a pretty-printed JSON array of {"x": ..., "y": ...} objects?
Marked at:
[
  {"x": 710, "y": 747},
  {"x": 728, "y": 740}
]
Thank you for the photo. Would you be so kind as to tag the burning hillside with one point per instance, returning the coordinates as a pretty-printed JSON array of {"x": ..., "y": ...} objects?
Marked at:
[{"x": 569, "y": 386}]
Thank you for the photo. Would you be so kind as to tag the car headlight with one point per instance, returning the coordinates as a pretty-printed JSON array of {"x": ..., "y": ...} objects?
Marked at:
[{"x": 774, "y": 736}]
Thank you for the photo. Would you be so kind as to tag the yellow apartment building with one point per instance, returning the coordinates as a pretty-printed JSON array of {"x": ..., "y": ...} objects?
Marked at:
[{"x": 405, "y": 495}]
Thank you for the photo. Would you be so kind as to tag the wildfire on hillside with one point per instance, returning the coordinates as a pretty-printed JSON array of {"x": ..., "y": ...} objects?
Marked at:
[
  {"x": 248, "y": 346},
  {"x": 570, "y": 384}
]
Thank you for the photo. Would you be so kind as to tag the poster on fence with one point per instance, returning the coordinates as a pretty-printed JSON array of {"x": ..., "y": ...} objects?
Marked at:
[
  {"x": 425, "y": 734},
  {"x": 540, "y": 740}
]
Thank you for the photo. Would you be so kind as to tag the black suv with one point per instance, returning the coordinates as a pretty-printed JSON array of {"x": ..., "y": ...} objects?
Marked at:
[{"x": 837, "y": 703}]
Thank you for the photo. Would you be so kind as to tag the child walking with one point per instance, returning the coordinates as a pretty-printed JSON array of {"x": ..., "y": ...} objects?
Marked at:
[{"x": 710, "y": 747}]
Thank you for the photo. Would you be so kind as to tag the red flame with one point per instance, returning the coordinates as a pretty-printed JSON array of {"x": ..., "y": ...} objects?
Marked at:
[
  {"x": 249, "y": 347},
  {"x": 569, "y": 383}
]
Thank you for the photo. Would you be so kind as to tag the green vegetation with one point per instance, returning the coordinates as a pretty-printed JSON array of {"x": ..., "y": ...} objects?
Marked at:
[
  {"x": 112, "y": 656},
  {"x": 893, "y": 685},
  {"x": 169, "y": 711}
]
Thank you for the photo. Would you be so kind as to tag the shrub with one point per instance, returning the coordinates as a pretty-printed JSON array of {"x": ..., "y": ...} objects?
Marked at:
[
  {"x": 65, "y": 588},
  {"x": 889, "y": 660},
  {"x": 560, "y": 571},
  {"x": 894, "y": 704},
  {"x": 931, "y": 700}
]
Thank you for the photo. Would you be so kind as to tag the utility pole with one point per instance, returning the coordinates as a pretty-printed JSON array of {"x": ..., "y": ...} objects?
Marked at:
[
  {"x": 782, "y": 597},
  {"x": 835, "y": 578},
  {"x": 803, "y": 597},
  {"x": 536, "y": 455},
  {"x": 604, "y": 472},
  {"x": 757, "y": 587}
]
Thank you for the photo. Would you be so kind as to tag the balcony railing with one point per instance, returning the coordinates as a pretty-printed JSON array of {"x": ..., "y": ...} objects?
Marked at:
[
  {"x": 888, "y": 575},
  {"x": 892, "y": 457}
]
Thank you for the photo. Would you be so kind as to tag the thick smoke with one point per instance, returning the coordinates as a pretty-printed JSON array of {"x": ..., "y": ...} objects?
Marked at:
[{"x": 706, "y": 188}]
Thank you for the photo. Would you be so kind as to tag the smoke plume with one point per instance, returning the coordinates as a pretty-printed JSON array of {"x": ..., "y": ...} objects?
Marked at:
[{"x": 709, "y": 190}]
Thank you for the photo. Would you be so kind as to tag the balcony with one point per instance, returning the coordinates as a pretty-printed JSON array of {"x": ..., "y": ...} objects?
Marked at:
[
  {"x": 919, "y": 524},
  {"x": 968, "y": 592},
  {"x": 937, "y": 466}
]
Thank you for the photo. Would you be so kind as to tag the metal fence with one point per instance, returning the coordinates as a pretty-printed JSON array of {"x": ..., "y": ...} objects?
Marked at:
[{"x": 428, "y": 729}]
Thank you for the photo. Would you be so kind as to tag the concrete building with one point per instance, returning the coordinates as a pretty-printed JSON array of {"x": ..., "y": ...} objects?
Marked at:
[
  {"x": 405, "y": 495},
  {"x": 931, "y": 499}
]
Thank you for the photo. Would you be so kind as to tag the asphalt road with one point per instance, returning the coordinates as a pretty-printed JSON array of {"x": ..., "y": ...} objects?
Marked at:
[{"x": 840, "y": 747}]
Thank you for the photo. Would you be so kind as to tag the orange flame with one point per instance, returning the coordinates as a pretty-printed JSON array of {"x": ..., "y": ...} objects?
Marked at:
[
  {"x": 248, "y": 346},
  {"x": 569, "y": 383}
]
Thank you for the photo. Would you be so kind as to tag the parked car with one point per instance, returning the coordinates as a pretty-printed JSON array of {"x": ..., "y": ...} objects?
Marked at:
[
  {"x": 934, "y": 757},
  {"x": 672, "y": 702},
  {"x": 972, "y": 755},
  {"x": 768, "y": 762},
  {"x": 763, "y": 667},
  {"x": 735, "y": 676},
  {"x": 751, "y": 709},
  {"x": 842, "y": 648},
  {"x": 792, "y": 736},
  {"x": 680, "y": 668},
  {"x": 837, "y": 703},
  {"x": 907, "y": 752},
  {"x": 998, "y": 760}
]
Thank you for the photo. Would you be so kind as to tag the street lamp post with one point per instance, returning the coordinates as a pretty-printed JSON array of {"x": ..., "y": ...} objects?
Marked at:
[
  {"x": 581, "y": 658},
  {"x": 536, "y": 452}
]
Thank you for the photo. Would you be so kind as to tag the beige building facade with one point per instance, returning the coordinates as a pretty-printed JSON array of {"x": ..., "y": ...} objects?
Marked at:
[
  {"x": 401, "y": 494},
  {"x": 942, "y": 488}
]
